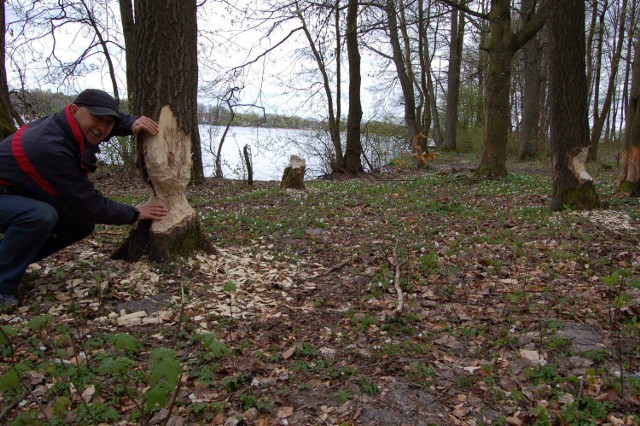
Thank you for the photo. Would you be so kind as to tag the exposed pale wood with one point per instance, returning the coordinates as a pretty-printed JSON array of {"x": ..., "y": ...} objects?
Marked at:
[{"x": 168, "y": 163}]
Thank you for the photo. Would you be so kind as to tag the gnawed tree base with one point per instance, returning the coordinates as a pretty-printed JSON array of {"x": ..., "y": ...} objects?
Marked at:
[
  {"x": 163, "y": 246},
  {"x": 573, "y": 186},
  {"x": 293, "y": 176},
  {"x": 166, "y": 167},
  {"x": 584, "y": 197},
  {"x": 630, "y": 173},
  {"x": 629, "y": 189}
]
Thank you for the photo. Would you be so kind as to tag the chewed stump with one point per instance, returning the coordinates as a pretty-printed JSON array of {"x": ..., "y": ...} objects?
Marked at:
[{"x": 293, "y": 177}]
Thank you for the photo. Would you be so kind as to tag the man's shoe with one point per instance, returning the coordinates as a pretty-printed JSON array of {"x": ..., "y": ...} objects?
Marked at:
[{"x": 8, "y": 300}]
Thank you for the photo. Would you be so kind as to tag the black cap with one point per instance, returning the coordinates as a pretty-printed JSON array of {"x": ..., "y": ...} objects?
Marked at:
[{"x": 98, "y": 102}]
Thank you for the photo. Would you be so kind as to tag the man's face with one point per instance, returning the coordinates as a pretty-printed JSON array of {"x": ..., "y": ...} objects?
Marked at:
[{"x": 94, "y": 127}]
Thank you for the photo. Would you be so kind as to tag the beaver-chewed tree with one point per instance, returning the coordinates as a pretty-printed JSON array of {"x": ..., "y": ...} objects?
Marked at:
[
  {"x": 166, "y": 90},
  {"x": 630, "y": 171},
  {"x": 573, "y": 187}
]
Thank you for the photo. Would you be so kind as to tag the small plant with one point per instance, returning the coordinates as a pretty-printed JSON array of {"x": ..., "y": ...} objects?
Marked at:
[
  {"x": 342, "y": 396},
  {"x": 369, "y": 387},
  {"x": 544, "y": 374},
  {"x": 230, "y": 288}
]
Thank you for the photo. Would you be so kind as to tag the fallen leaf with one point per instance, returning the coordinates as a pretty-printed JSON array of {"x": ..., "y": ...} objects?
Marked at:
[
  {"x": 284, "y": 412},
  {"x": 289, "y": 352}
]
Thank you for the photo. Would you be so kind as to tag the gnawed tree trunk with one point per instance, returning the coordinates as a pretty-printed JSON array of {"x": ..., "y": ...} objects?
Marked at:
[
  {"x": 573, "y": 187},
  {"x": 167, "y": 171},
  {"x": 630, "y": 172},
  {"x": 293, "y": 176},
  {"x": 166, "y": 89}
]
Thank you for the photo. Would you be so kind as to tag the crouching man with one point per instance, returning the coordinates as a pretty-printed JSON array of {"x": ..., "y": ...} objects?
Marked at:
[{"x": 47, "y": 201}]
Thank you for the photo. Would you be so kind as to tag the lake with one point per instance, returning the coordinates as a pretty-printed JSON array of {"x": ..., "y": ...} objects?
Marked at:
[{"x": 270, "y": 151}]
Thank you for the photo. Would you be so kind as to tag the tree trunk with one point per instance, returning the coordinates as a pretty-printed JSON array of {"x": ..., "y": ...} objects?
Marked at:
[
  {"x": 334, "y": 122},
  {"x": 406, "y": 83},
  {"x": 293, "y": 176},
  {"x": 6, "y": 119},
  {"x": 497, "y": 113},
  {"x": 502, "y": 46},
  {"x": 168, "y": 57},
  {"x": 425, "y": 66},
  {"x": 572, "y": 186},
  {"x": 599, "y": 117},
  {"x": 453, "y": 83},
  {"x": 129, "y": 33},
  {"x": 353, "y": 153},
  {"x": 532, "y": 93},
  {"x": 630, "y": 172}
]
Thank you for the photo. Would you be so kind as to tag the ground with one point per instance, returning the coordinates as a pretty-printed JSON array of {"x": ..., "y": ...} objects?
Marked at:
[{"x": 510, "y": 313}]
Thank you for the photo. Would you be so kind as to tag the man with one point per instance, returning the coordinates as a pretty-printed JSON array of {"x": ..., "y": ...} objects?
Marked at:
[{"x": 47, "y": 201}]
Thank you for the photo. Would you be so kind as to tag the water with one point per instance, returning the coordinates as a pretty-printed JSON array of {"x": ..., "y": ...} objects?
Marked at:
[{"x": 270, "y": 150}]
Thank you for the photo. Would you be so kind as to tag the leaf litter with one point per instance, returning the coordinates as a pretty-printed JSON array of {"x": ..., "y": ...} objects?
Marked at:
[{"x": 507, "y": 319}]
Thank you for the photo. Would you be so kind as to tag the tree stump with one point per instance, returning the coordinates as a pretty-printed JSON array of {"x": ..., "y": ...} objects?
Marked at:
[
  {"x": 293, "y": 177},
  {"x": 166, "y": 167}
]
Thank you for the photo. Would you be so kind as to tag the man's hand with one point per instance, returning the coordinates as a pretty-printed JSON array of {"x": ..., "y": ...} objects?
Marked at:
[
  {"x": 152, "y": 211},
  {"x": 146, "y": 124}
]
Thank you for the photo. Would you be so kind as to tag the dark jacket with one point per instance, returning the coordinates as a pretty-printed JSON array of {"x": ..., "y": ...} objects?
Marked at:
[{"x": 49, "y": 160}]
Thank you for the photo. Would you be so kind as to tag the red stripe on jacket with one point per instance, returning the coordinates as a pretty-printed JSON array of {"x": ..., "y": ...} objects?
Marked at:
[
  {"x": 77, "y": 133},
  {"x": 25, "y": 164}
]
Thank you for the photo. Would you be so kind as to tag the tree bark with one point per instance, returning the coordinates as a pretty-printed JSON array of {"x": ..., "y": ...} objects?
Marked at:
[
  {"x": 630, "y": 171},
  {"x": 167, "y": 52},
  {"x": 453, "y": 82},
  {"x": 572, "y": 186},
  {"x": 406, "y": 83},
  {"x": 7, "y": 126},
  {"x": 129, "y": 33},
  {"x": 532, "y": 92},
  {"x": 334, "y": 121},
  {"x": 599, "y": 117},
  {"x": 425, "y": 65},
  {"x": 502, "y": 46},
  {"x": 353, "y": 152}
]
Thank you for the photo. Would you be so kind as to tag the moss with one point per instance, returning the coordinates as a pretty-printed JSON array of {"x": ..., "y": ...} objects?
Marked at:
[
  {"x": 492, "y": 171},
  {"x": 630, "y": 189},
  {"x": 182, "y": 241},
  {"x": 583, "y": 197}
]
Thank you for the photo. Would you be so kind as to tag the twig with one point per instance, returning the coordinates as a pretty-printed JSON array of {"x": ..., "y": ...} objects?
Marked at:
[
  {"x": 342, "y": 264},
  {"x": 173, "y": 402},
  {"x": 396, "y": 280},
  {"x": 9, "y": 408}
]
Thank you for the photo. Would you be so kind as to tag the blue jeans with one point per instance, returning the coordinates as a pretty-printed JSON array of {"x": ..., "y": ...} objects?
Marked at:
[{"x": 32, "y": 231}]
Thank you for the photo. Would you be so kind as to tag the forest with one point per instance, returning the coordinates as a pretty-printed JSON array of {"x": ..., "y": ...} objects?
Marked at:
[{"x": 488, "y": 274}]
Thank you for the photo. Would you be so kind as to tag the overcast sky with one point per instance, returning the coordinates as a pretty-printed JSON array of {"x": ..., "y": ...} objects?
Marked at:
[{"x": 273, "y": 81}]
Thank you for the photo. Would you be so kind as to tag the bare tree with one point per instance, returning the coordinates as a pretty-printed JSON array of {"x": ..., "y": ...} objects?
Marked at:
[
  {"x": 502, "y": 45},
  {"x": 572, "y": 186},
  {"x": 532, "y": 89},
  {"x": 453, "y": 81},
  {"x": 6, "y": 117},
  {"x": 353, "y": 153},
  {"x": 169, "y": 57},
  {"x": 600, "y": 115},
  {"x": 49, "y": 20},
  {"x": 630, "y": 171},
  {"x": 404, "y": 71}
]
